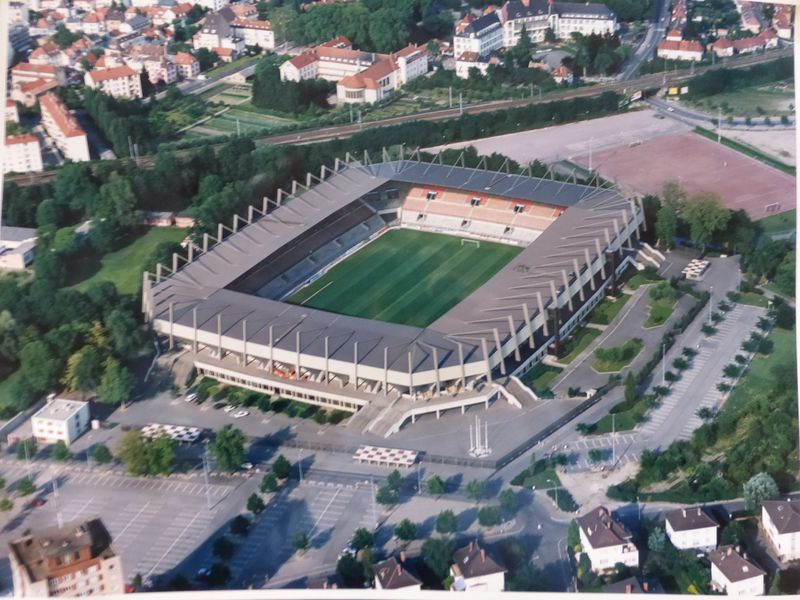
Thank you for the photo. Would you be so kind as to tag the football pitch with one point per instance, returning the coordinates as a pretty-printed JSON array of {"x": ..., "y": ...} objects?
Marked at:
[{"x": 406, "y": 276}]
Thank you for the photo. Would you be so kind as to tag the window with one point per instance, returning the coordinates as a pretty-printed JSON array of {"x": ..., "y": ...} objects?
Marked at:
[
  {"x": 475, "y": 201},
  {"x": 518, "y": 208}
]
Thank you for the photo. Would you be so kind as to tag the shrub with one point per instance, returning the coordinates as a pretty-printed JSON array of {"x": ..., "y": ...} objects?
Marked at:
[
  {"x": 680, "y": 364},
  {"x": 223, "y": 548},
  {"x": 337, "y": 416},
  {"x": 282, "y": 468},
  {"x": 489, "y": 516},
  {"x": 6, "y": 504},
  {"x": 269, "y": 484},
  {"x": 101, "y": 454},
  {"x": 26, "y": 487},
  {"x": 61, "y": 452},
  {"x": 240, "y": 525}
]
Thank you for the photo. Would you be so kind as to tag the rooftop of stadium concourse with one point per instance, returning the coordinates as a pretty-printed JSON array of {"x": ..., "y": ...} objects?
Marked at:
[{"x": 577, "y": 236}]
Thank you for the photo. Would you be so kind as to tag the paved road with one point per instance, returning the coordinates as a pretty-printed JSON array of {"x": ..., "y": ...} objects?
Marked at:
[
  {"x": 344, "y": 131},
  {"x": 655, "y": 33},
  {"x": 696, "y": 117}
]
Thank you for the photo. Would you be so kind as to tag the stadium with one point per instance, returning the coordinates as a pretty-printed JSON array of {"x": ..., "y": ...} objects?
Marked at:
[{"x": 395, "y": 289}]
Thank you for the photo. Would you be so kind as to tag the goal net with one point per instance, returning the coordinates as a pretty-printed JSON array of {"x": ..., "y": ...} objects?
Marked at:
[{"x": 466, "y": 242}]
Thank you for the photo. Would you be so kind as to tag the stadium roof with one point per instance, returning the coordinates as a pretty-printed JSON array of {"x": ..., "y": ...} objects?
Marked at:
[{"x": 483, "y": 315}]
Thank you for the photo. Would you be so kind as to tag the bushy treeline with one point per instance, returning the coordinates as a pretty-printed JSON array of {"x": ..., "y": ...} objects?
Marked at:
[
  {"x": 287, "y": 96},
  {"x": 730, "y": 80}
]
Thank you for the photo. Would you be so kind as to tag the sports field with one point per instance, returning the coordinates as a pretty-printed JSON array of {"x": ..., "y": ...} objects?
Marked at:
[{"x": 407, "y": 277}]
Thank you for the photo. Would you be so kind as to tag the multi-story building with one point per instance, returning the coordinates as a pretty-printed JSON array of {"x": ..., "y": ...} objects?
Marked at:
[
  {"x": 188, "y": 66},
  {"x": 213, "y": 5},
  {"x": 64, "y": 128},
  {"x": 60, "y": 420},
  {"x": 18, "y": 13},
  {"x": 217, "y": 32},
  {"x": 19, "y": 36},
  {"x": 161, "y": 69},
  {"x": 26, "y": 73},
  {"x": 17, "y": 245},
  {"x": 782, "y": 21},
  {"x": 732, "y": 573},
  {"x": 393, "y": 574},
  {"x": 780, "y": 520},
  {"x": 473, "y": 570},
  {"x": 74, "y": 560},
  {"x": 12, "y": 114},
  {"x": 606, "y": 541},
  {"x": 22, "y": 154},
  {"x": 535, "y": 17},
  {"x": 682, "y": 50},
  {"x": 254, "y": 32},
  {"x": 119, "y": 82},
  {"x": 472, "y": 60},
  {"x": 691, "y": 528},
  {"x": 360, "y": 76},
  {"x": 482, "y": 35}
]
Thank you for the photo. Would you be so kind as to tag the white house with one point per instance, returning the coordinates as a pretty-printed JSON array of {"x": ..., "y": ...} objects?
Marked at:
[
  {"x": 16, "y": 248},
  {"x": 254, "y": 32},
  {"x": 188, "y": 66},
  {"x": 472, "y": 60},
  {"x": 780, "y": 520},
  {"x": 473, "y": 570},
  {"x": 606, "y": 541},
  {"x": 682, "y": 50},
  {"x": 692, "y": 528},
  {"x": 22, "y": 154},
  {"x": 564, "y": 18},
  {"x": 735, "y": 575},
  {"x": 482, "y": 35},
  {"x": 63, "y": 128},
  {"x": 119, "y": 82},
  {"x": 392, "y": 574},
  {"x": 60, "y": 420}
]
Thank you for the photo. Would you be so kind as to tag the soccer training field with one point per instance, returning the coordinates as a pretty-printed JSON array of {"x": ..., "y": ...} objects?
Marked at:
[{"x": 405, "y": 276}]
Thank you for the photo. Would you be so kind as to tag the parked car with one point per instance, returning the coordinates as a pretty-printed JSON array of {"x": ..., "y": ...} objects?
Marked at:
[
  {"x": 191, "y": 397},
  {"x": 36, "y": 502},
  {"x": 203, "y": 573},
  {"x": 240, "y": 413},
  {"x": 218, "y": 405},
  {"x": 230, "y": 408},
  {"x": 246, "y": 466}
]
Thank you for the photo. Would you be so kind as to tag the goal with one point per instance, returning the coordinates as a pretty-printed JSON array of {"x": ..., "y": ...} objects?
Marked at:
[{"x": 466, "y": 242}]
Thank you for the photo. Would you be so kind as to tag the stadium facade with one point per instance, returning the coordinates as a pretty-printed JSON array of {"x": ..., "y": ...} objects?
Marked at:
[{"x": 224, "y": 302}]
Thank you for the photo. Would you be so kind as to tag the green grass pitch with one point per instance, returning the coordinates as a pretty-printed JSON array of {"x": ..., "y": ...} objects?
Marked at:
[{"x": 406, "y": 276}]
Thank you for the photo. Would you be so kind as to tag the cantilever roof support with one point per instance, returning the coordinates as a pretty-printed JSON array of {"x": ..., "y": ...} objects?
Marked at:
[
  {"x": 589, "y": 268},
  {"x": 600, "y": 257},
  {"x": 410, "y": 375},
  {"x": 327, "y": 361},
  {"x": 171, "y": 325},
  {"x": 244, "y": 342},
  {"x": 500, "y": 351},
  {"x": 541, "y": 312},
  {"x": 485, "y": 348},
  {"x": 355, "y": 364},
  {"x": 578, "y": 279},
  {"x": 436, "y": 371},
  {"x": 513, "y": 332},
  {"x": 271, "y": 363},
  {"x": 461, "y": 364},
  {"x": 566, "y": 289},
  {"x": 527, "y": 312},
  {"x": 297, "y": 354},
  {"x": 385, "y": 369},
  {"x": 219, "y": 334},
  {"x": 194, "y": 329},
  {"x": 159, "y": 268}
]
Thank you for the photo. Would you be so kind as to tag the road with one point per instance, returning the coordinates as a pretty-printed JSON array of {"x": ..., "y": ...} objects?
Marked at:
[
  {"x": 342, "y": 131},
  {"x": 699, "y": 118},
  {"x": 655, "y": 32}
]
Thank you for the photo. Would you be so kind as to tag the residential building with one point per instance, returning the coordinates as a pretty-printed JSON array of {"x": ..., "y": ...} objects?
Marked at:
[
  {"x": 473, "y": 570},
  {"x": 63, "y": 128},
  {"x": 563, "y": 18},
  {"x": 62, "y": 419},
  {"x": 217, "y": 32},
  {"x": 482, "y": 35},
  {"x": 254, "y": 32},
  {"x": 93, "y": 25},
  {"x": 28, "y": 93},
  {"x": 119, "y": 82},
  {"x": 244, "y": 10},
  {"x": 472, "y": 60},
  {"x": 723, "y": 47},
  {"x": 780, "y": 520},
  {"x": 563, "y": 74},
  {"x": 360, "y": 76},
  {"x": 606, "y": 541},
  {"x": 766, "y": 39},
  {"x": 184, "y": 219},
  {"x": 18, "y": 13},
  {"x": 734, "y": 574},
  {"x": 683, "y": 50},
  {"x": 749, "y": 16},
  {"x": 73, "y": 560},
  {"x": 188, "y": 66},
  {"x": 213, "y": 5},
  {"x": 12, "y": 114},
  {"x": 161, "y": 69},
  {"x": 22, "y": 154},
  {"x": 20, "y": 38},
  {"x": 633, "y": 585},
  {"x": 26, "y": 72},
  {"x": 782, "y": 21},
  {"x": 16, "y": 248},
  {"x": 692, "y": 528},
  {"x": 393, "y": 574}
]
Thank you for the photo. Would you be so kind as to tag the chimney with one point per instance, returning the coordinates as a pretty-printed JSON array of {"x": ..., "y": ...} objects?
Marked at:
[
  {"x": 471, "y": 546},
  {"x": 398, "y": 570},
  {"x": 744, "y": 555},
  {"x": 683, "y": 510},
  {"x": 645, "y": 586},
  {"x": 483, "y": 555},
  {"x": 402, "y": 556},
  {"x": 628, "y": 588},
  {"x": 730, "y": 551},
  {"x": 699, "y": 511},
  {"x": 526, "y": 3}
]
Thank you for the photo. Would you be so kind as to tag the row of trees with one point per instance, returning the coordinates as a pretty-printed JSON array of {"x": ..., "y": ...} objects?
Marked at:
[
  {"x": 729, "y": 80},
  {"x": 287, "y": 96}
]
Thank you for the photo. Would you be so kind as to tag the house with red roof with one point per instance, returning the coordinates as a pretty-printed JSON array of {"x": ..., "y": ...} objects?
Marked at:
[
  {"x": 682, "y": 50},
  {"x": 119, "y": 82},
  {"x": 63, "y": 128}
]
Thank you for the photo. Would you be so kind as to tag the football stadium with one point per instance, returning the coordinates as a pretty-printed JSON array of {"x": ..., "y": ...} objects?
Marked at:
[{"x": 395, "y": 289}]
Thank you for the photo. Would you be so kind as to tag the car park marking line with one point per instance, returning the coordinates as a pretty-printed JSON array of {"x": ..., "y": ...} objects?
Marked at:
[
  {"x": 177, "y": 539},
  {"x": 84, "y": 507},
  {"x": 136, "y": 516},
  {"x": 311, "y": 537}
]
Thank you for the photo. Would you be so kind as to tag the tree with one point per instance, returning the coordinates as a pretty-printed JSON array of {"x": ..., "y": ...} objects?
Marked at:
[
  {"x": 522, "y": 49},
  {"x": 405, "y": 531},
  {"x": 282, "y": 468},
  {"x": 223, "y": 548},
  {"x": 27, "y": 448},
  {"x": 143, "y": 456},
  {"x": 362, "y": 539},
  {"x": 101, "y": 454},
  {"x": 6, "y": 505},
  {"x": 435, "y": 485},
  {"x": 475, "y": 490},
  {"x": 667, "y": 225},
  {"x": 269, "y": 484},
  {"x": 350, "y": 571},
  {"x": 446, "y": 522},
  {"x": 775, "y": 585},
  {"x": 574, "y": 536},
  {"x": 509, "y": 500},
  {"x": 437, "y": 553},
  {"x": 785, "y": 274},
  {"x": 117, "y": 202},
  {"x": 84, "y": 369},
  {"x": 550, "y": 35},
  {"x": 758, "y": 488},
  {"x": 630, "y": 388},
  {"x": 394, "y": 481},
  {"x": 160, "y": 453},
  {"x": 220, "y": 574},
  {"x": 300, "y": 542},
  {"x": 705, "y": 216},
  {"x": 657, "y": 540},
  {"x": 732, "y": 534},
  {"x": 240, "y": 525},
  {"x": 282, "y": 19},
  {"x": 595, "y": 455},
  {"x": 116, "y": 384},
  {"x": 529, "y": 578},
  {"x": 124, "y": 332},
  {"x": 228, "y": 448},
  {"x": 26, "y": 487},
  {"x": 255, "y": 504},
  {"x": 489, "y": 516},
  {"x": 61, "y": 452},
  {"x": 386, "y": 495},
  {"x": 38, "y": 366},
  {"x": 64, "y": 38}
]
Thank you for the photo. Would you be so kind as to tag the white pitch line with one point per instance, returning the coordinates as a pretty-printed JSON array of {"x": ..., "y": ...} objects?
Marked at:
[
  {"x": 177, "y": 539},
  {"x": 319, "y": 291},
  {"x": 314, "y": 526}
]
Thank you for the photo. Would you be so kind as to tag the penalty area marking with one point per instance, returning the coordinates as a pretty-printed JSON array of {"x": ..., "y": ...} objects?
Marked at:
[{"x": 319, "y": 291}]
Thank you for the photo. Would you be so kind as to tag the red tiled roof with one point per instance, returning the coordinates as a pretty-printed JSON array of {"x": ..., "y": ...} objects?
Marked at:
[
  {"x": 223, "y": 51},
  {"x": 303, "y": 60},
  {"x": 24, "y": 67},
  {"x": 38, "y": 86},
  {"x": 723, "y": 44},
  {"x": 683, "y": 45},
  {"x": 25, "y": 138},
  {"x": 339, "y": 40},
  {"x": 184, "y": 58},
  {"x": 113, "y": 73},
  {"x": 468, "y": 57},
  {"x": 10, "y": 103},
  {"x": 61, "y": 115},
  {"x": 252, "y": 24}
]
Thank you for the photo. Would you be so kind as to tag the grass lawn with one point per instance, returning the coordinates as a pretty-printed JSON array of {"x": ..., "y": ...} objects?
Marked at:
[
  {"x": 624, "y": 420},
  {"x": 226, "y": 68},
  {"x": 612, "y": 360},
  {"x": 780, "y": 223},
  {"x": 605, "y": 312},
  {"x": 408, "y": 277},
  {"x": 124, "y": 267},
  {"x": 540, "y": 377},
  {"x": 642, "y": 277},
  {"x": 660, "y": 311},
  {"x": 774, "y": 98},
  {"x": 578, "y": 343},
  {"x": 753, "y": 299}
]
